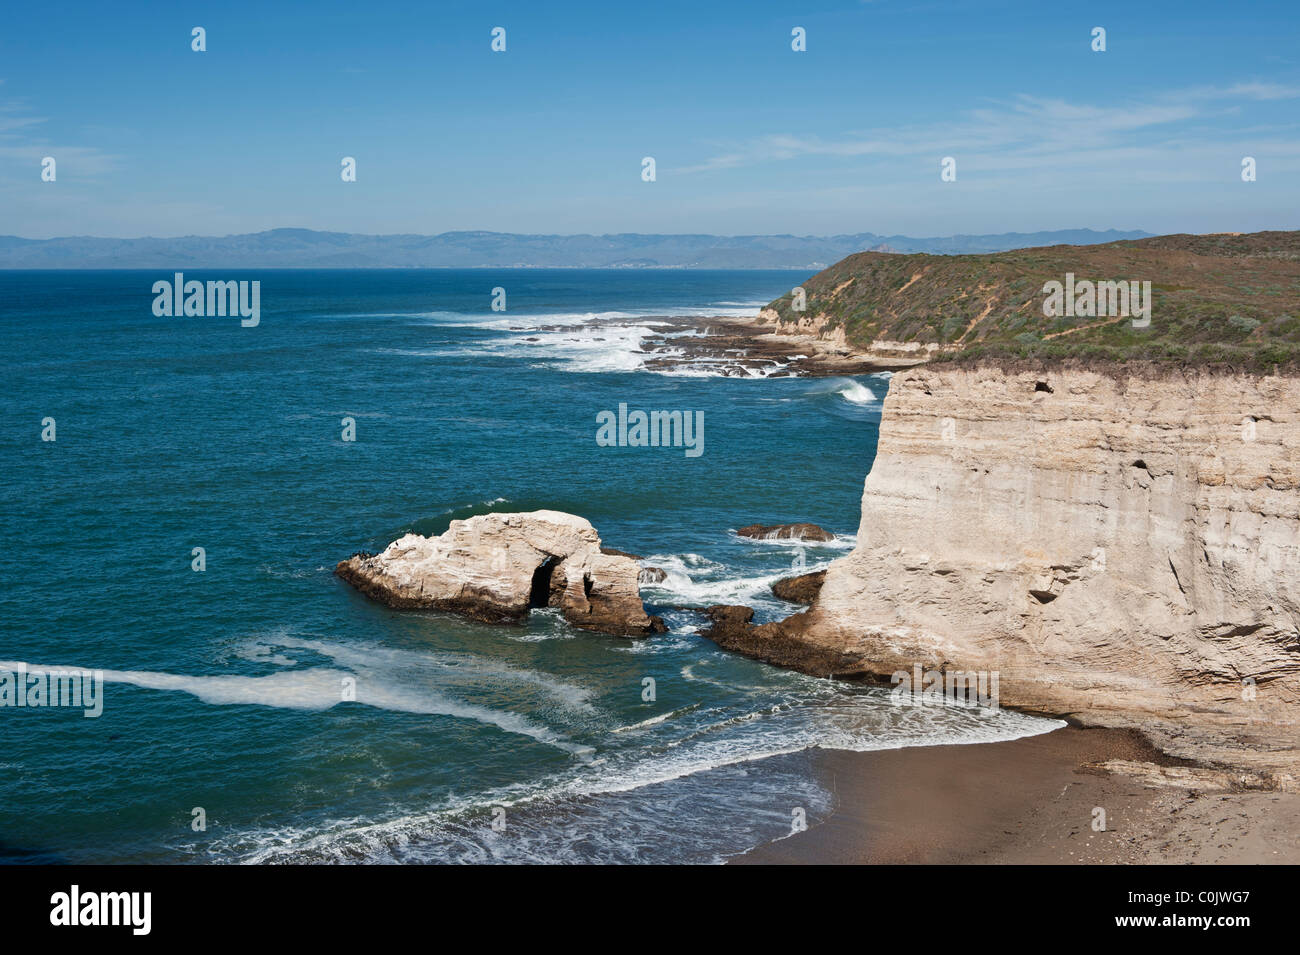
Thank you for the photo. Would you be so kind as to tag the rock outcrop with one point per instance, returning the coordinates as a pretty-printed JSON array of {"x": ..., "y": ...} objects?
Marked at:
[
  {"x": 497, "y": 567},
  {"x": 806, "y": 532},
  {"x": 782, "y": 644},
  {"x": 647, "y": 575},
  {"x": 618, "y": 553},
  {"x": 802, "y": 589},
  {"x": 818, "y": 332},
  {"x": 1122, "y": 545}
]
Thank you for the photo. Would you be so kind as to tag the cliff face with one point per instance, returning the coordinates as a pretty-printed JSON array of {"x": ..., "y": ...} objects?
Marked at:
[{"x": 1125, "y": 550}]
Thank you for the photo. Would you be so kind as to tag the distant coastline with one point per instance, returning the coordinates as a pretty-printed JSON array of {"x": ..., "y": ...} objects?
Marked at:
[{"x": 310, "y": 249}]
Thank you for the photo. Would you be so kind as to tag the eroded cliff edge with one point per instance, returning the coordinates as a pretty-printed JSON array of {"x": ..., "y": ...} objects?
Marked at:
[{"x": 1121, "y": 545}]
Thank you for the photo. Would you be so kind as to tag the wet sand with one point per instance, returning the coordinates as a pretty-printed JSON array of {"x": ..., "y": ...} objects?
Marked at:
[{"x": 1032, "y": 801}]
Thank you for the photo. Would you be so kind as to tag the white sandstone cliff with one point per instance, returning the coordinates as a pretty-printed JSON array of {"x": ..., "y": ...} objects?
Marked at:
[{"x": 1124, "y": 549}]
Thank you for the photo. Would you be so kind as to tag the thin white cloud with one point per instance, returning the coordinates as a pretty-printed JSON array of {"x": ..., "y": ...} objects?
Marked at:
[
  {"x": 1026, "y": 124},
  {"x": 21, "y": 145},
  {"x": 1257, "y": 91}
]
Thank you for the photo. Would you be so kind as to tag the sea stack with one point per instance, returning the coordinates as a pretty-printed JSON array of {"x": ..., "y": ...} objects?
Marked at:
[
  {"x": 795, "y": 532},
  {"x": 498, "y": 567}
]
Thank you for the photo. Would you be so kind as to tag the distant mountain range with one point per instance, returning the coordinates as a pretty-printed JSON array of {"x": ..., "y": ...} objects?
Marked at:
[{"x": 305, "y": 248}]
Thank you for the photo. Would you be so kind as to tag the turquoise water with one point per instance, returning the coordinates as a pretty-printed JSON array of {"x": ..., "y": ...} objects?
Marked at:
[{"x": 176, "y": 433}]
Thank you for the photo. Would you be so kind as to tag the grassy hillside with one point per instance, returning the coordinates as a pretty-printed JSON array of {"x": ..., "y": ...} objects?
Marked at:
[{"x": 1214, "y": 298}]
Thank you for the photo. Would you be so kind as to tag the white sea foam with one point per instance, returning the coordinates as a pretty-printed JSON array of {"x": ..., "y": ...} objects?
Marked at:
[
  {"x": 857, "y": 393},
  {"x": 656, "y": 720},
  {"x": 488, "y": 502},
  {"x": 597, "y": 348},
  {"x": 703, "y": 583},
  {"x": 601, "y": 341},
  {"x": 732, "y": 590},
  {"x": 711, "y": 757},
  {"x": 702, "y": 367},
  {"x": 525, "y": 319},
  {"x": 378, "y": 677},
  {"x": 448, "y": 669},
  {"x": 310, "y": 689},
  {"x": 604, "y": 341}
]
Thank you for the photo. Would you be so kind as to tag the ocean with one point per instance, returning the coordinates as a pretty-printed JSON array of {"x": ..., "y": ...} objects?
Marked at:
[{"x": 222, "y": 737}]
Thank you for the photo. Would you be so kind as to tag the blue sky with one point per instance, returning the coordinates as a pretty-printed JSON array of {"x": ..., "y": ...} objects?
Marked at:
[{"x": 748, "y": 136}]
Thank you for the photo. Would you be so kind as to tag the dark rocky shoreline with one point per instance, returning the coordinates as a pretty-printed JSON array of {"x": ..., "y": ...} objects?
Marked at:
[
  {"x": 746, "y": 348},
  {"x": 739, "y": 348}
]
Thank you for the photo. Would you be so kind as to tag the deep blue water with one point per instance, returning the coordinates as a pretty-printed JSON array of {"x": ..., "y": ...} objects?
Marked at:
[{"x": 176, "y": 433}]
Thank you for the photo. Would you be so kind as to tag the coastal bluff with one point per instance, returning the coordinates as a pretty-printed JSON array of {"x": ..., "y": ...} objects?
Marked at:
[
  {"x": 497, "y": 567},
  {"x": 1122, "y": 545}
]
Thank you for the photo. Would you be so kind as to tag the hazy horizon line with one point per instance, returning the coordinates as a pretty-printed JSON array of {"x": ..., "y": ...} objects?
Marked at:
[{"x": 575, "y": 235}]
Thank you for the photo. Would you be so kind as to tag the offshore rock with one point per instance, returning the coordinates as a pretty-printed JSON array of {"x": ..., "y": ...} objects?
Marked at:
[
  {"x": 498, "y": 567},
  {"x": 803, "y": 532},
  {"x": 781, "y": 644},
  {"x": 802, "y": 589}
]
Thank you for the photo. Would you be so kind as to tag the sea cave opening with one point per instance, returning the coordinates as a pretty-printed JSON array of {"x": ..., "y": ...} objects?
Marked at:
[{"x": 539, "y": 595}]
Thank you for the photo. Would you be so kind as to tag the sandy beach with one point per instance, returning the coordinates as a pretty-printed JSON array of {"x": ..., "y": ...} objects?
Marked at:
[{"x": 1032, "y": 801}]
